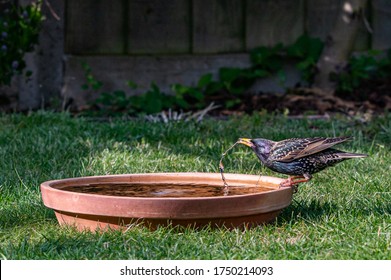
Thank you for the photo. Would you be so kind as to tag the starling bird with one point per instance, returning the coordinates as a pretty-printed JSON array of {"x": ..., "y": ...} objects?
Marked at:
[{"x": 299, "y": 157}]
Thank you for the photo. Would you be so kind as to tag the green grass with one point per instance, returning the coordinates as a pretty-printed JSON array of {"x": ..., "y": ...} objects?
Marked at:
[{"x": 343, "y": 213}]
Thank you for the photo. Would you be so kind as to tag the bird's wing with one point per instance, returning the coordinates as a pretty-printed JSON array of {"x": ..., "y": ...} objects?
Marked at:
[{"x": 291, "y": 149}]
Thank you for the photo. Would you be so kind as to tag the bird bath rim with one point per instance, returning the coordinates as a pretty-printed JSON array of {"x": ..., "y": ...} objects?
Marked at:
[{"x": 94, "y": 210}]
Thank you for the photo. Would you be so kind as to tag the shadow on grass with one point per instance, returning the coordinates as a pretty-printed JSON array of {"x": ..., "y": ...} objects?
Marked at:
[
  {"x": 314, "y": 211},
  {"x": 24, "y": 215}
]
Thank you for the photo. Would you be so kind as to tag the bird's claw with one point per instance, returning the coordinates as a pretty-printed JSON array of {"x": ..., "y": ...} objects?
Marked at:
[
  {"x": 295, "y": 180},
  {"x": 294, "y": 186}
]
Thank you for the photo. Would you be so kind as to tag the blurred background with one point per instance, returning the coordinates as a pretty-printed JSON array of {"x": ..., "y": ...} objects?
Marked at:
[{"x": 243, "y": 55}]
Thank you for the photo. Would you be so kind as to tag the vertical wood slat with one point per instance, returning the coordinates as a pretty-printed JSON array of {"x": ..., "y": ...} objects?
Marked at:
[
  {"x": 156, "y": 26},
  {"x": 153, "y": 26},
  {"x": 94, "y": 27},
  {"x": 363, "y": 39},
  {"x": 321, "y": 16},
  {"x": 218, "y": 26},
  {"x": 381, "y": 37},
  {"x": 269, "y": 22}
]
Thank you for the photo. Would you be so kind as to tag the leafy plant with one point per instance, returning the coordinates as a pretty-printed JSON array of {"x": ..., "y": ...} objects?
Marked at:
[
  {"x": 307, "y": 50},
  {"x": 360, "y": 68},
  {"x": 233, "y": 82},
  {"x": 118, "y": 102},
  {"x": 192, "y": 96},
  {"x": 112, "y": 103},
  {"x": 153, "y": 101},
  {"x": 268, "y": 59},
  {"x": 91, "y": 81},
  {"x": 19, "y": 31},
  {"x": 227, "y": 89}
]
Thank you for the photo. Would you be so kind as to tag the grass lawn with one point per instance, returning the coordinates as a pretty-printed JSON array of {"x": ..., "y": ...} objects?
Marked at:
[{"x": 343, "y": 213}]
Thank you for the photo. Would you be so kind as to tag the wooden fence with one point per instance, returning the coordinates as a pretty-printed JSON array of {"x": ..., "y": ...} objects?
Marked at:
[
  {"x": 208, "y": 26},
  {"x": 171, "y": 41}
]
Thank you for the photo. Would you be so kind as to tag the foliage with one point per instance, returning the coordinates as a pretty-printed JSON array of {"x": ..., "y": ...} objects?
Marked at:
[
  {"x": 153, "y": 101},
  {"x": 360, "y": 68},
  {"x": 19, "y": 30},
  {"x": 91, "y": 81},
  {"x": 307, "y": 50},
  {"x": 118, "y": 102},
  {"x": 231, "y": 84},
  {"x": 226, "y": 90},
  {"x": 188, "y": 95}
]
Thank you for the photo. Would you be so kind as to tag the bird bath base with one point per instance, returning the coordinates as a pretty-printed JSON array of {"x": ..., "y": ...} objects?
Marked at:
[{"x": 160, "y": 199}]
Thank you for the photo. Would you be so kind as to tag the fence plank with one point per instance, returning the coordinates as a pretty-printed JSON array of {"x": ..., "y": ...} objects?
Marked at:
[
  {"x": 321, "y": 15},
  {"x": 270, "y": 22},
  {"x": 156, "y": 26},
  {"x": 381, "y": 37},
  {"x": 218, "y": 26},
  {"x": 363, "y": 39},
  {"x": 94, "y": 27}
]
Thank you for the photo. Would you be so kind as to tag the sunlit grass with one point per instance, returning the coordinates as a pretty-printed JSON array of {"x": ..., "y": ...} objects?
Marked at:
[{"x": 343, "y": 213}]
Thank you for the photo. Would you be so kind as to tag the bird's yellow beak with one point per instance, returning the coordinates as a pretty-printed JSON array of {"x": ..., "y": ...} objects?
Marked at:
[{"x": 246, "y": 141}]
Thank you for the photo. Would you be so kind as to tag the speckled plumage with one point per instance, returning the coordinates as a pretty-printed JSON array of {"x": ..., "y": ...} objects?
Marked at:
[{"x": 299, "y": 157}]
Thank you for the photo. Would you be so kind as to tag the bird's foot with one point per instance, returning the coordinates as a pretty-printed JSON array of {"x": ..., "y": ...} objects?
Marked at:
[{"x": 294, "y": 181}]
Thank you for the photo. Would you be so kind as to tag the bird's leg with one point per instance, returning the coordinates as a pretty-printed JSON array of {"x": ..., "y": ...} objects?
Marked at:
[
  {"x": 304, "y": 178},
  {"x": 290, "y": 182}
]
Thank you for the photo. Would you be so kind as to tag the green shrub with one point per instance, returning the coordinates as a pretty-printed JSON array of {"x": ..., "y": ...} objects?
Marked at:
[
  {"x": 362, "y": 68},
  {"x": 19, "y": 31},
  {"x": 228, "y": 88}
]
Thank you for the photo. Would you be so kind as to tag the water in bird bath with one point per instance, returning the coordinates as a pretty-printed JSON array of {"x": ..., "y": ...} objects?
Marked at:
[{"x": 165, "y": 190}]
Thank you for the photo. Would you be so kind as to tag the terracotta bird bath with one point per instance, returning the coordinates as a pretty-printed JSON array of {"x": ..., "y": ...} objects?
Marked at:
[{"x": 159, "y": 199}]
